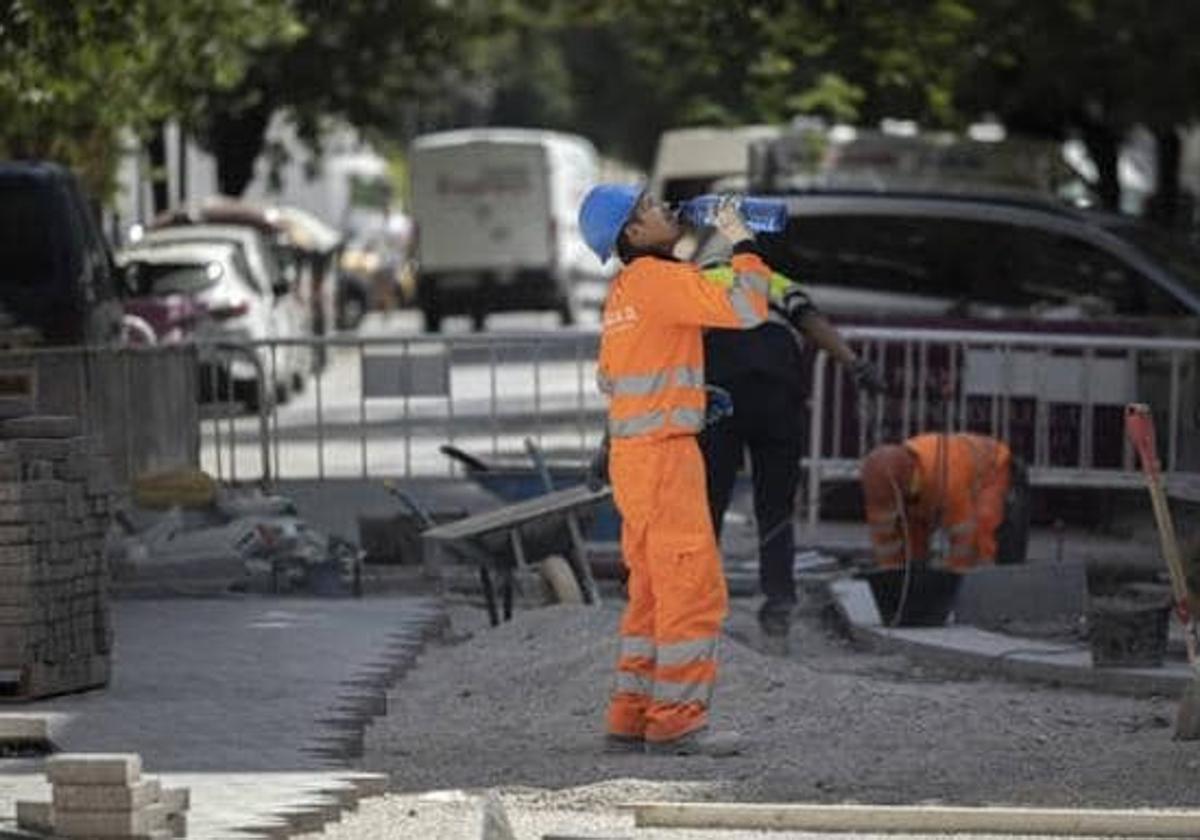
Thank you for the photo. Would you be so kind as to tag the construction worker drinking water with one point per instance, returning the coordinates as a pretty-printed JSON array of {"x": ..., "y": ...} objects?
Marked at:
[{"x": 651, "y": 366}]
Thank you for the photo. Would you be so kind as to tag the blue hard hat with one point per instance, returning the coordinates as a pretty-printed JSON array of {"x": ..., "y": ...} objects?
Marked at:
[{"x": 605, "y": 210}]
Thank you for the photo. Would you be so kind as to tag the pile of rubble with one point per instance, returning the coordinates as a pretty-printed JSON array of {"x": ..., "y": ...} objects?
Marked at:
[
  {"x": 183, "y": 527},
  {"x": 56, "y": 494},
  {"x": 105, "y": 795}
]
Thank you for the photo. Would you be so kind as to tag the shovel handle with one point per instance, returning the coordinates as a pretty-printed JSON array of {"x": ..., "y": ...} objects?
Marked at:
[{"x": 1139, "y": 428}]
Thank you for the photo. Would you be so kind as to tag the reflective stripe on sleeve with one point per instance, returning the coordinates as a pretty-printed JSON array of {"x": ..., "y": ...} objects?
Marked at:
[
  {"x": 739, "y": 299},
  {"x": 638, "y": 424},
  {"x": 753, "y": 281},
  {"x": 688, "y": 418}
]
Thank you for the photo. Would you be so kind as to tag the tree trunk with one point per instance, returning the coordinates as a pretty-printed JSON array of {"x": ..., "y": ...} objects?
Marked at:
[
  {"x": 1104, "y": 145},
  {"x": 156, "y": 152},
  {"x": 1164, "y": 207},
  {"x": 236, "y": 139}
]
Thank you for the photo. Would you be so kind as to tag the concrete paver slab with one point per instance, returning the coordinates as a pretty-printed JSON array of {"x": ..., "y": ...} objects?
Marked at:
[{"x": 231, "y": 698}]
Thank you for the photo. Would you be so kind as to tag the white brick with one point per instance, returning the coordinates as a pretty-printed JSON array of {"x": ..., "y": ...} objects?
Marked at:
[
  {"x": 35, "y": 816},
  {"x": 140, "y": 823},
  {"x": 176, "y": 800},
  {"x": 133, "y": 797},
  {"x": 94, "y": 768},
  {"x": 15, "y": 728}
]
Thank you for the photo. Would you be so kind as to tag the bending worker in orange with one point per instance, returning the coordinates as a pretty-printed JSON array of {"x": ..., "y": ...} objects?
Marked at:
[
  {"x": 966, "y": 488},
  {"x": 652, "y": 368}
]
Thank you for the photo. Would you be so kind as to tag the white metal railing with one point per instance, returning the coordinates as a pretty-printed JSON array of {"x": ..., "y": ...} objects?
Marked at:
[
  {"x": 382, "y": 406},
  {"x": 1057, "y": 400}
]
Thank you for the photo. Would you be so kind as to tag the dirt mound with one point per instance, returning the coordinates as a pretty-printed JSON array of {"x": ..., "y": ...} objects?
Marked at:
[{"x": 522, "y": 706}]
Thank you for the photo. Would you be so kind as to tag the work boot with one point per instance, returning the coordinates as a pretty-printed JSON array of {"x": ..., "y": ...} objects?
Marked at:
[
  {"x": 619, "y": 744},
  {"x": 776, "y": 627},
  {"x": 699, "y": 742}
]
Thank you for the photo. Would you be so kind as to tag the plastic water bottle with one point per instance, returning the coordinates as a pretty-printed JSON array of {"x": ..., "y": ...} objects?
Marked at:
[{"x": 761, "y": 215}]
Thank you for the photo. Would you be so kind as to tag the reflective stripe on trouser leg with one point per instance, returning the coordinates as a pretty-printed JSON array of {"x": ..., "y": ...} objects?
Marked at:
[
  {"x": 690, "y": 598},
  {"x": 634, "y": 679},
  {"x": 685, "y": 674}
]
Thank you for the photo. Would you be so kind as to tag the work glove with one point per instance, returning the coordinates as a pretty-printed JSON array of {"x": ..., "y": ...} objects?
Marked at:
[
  {"x": 718, "y": 405},
  {"x": 867, "y": 378},
  {"x": 597, "y": 473}
]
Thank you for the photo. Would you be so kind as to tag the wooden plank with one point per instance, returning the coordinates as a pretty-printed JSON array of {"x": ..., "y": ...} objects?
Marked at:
[
  {"x": 519, "y": 513},
  {"x": 914, "y": 819}
]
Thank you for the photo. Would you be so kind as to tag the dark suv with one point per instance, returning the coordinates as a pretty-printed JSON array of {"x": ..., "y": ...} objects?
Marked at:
[
  {"x": 56, "y": 271},
  {"x": 986, "y": 262}
]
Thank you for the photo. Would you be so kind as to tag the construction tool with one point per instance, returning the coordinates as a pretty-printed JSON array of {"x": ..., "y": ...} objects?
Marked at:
[{"x": 1139, "y": 427}]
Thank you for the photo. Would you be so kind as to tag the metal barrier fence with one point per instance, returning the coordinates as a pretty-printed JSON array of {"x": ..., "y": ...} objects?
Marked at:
[
  {"x": 1057, "y": 400},
  {"x": 382, "y": 406}
]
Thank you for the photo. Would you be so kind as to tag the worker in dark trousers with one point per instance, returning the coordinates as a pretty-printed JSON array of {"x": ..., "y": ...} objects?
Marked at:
[{"x": 762, "y": 371}]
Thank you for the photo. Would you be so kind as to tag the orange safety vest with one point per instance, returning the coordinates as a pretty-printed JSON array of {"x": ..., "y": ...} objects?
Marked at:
[{"x": 651, "y": 349}]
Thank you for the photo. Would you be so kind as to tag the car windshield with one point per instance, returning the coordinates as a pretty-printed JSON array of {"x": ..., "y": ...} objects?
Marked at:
[
  {"x": 172, "y": 278},
  {"x": 1181, "y": 256}
]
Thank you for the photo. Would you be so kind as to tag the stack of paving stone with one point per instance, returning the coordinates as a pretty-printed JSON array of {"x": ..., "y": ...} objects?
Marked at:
[
  {"x": 56, "y": 495},
  {"x": 104, "y": 795}
]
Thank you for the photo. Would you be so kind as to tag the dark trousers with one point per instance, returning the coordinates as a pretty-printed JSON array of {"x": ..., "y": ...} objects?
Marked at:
[{"x": 768, "y": 420}]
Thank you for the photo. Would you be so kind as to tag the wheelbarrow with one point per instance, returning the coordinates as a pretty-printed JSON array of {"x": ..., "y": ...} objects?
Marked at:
[
  {"x": 504, "y": 539},
  {"x": 514, "y": 482}
]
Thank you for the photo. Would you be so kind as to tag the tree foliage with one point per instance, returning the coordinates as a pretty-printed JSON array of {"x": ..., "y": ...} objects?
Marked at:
[
  {"x": 357, "y": 60},
  {"x": 74, "y": 75}
]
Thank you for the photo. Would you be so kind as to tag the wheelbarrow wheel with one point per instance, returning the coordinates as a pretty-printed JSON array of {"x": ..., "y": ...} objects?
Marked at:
[{"x": 560, "y": 579}]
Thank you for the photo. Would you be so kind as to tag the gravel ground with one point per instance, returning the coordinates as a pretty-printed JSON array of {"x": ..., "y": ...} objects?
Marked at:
[{"x": 519, "y": 709}]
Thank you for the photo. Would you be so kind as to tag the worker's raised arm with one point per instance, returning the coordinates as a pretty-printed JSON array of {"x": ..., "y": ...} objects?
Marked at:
[{"x": 682, "y": 295}]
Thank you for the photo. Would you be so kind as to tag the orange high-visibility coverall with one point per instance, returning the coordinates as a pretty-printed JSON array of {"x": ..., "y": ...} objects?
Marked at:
[
  {"x": 652, "y": 368},
  {"x": 959, "y": 483}
]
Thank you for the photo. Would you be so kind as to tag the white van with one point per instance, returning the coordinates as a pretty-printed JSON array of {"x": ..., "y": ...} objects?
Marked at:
[
  {"x": 691, "y": 161},
  {"x": 495, "y": 212}
]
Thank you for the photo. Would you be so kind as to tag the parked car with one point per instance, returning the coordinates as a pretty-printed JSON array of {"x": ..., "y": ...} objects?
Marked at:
[
  {"x": 236, "y": 309},
  {"x": 287, "y": 311},
  {"x": 56, "y": 271},
  {"x": 495, "y": 212},
  {"x": 305, "y": 248},
  {"x": 985, "y": 263}
]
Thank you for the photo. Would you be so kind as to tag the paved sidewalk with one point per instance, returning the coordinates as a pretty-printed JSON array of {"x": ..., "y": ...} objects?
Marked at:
[{"x": 255, "y": 703}]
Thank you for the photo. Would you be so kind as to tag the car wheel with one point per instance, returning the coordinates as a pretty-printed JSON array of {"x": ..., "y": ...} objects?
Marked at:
[
  {"x": 560, "y": 580},
  {"x": 351, "y": 312},
  {"x": 247, "y": 392},
  {"x": 432, "y": 318}
]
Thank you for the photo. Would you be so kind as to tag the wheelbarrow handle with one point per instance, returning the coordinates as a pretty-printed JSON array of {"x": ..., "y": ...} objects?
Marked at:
[{"x": 1139, "y": 428}]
